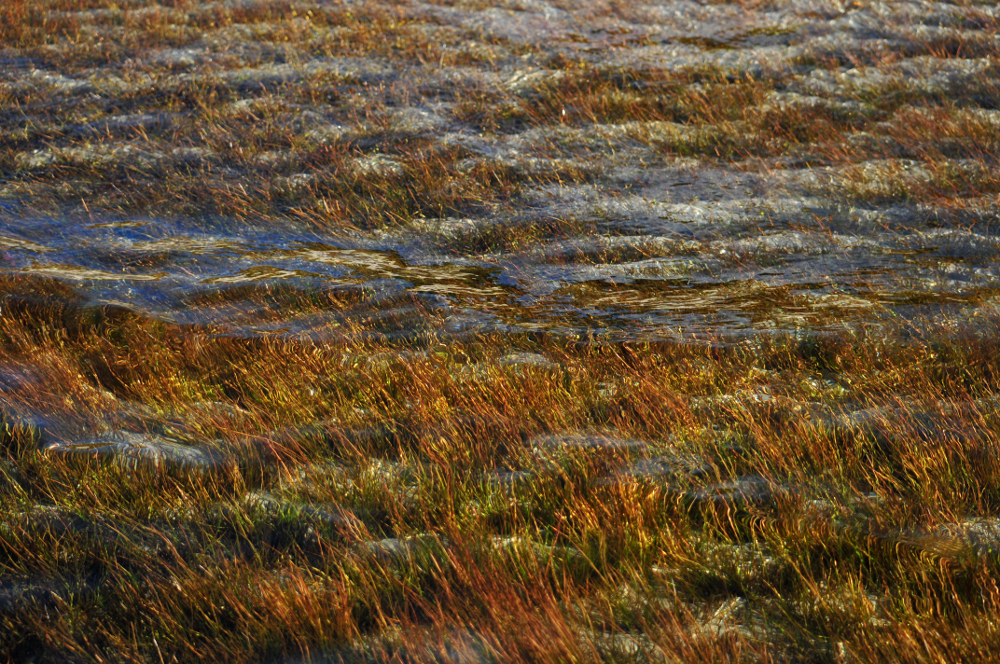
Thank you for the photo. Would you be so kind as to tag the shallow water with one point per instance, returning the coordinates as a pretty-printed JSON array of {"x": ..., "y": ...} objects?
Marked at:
[
  {"x": 296, "y": 295},
  {"x": 650, "y": 245},
  {"x": 631, "y": 279}
]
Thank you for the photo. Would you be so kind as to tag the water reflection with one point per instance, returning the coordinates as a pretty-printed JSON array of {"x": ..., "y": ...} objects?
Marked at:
[{"x": 710, "y": 279}]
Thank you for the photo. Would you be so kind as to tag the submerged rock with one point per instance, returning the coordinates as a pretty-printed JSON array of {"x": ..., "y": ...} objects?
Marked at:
[
  {"x": 398, "y": 551},
  {"x": 501, "y": 479},
  {"x": 327, "y": 515},
  {"x": 737, "y": 493},
  {"x": 568, "y": 558},
  {"x": 597, "y": 452},
  {"x": 412, "y": 645},
  {"x": 15, "y": 379},
  {"x": 902, "y": 424},
  {"x": 973, "y": 537},
  {"x": 21, "y": 429},
  {"x": 589, "y": 443},
  {"x": 40, "y": 593},
  {"x": 528, "y": 361},
  {"x": 136, "y": 450},
  {"x": 670, "y": 468},
  {"x": 10, "y": 477}
]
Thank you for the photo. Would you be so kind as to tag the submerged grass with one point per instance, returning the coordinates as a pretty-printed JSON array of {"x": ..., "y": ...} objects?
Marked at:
[
  {"x": 506, "y": 499},
  {"x": 285, "y": 124},
  {"x": 368, "y": 487}
]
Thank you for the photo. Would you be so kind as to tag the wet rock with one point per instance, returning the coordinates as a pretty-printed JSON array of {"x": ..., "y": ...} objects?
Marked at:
[
  {"x": 386, "y": 291},
  {"x": 981, "y": 535},
  {"x": 317, "y": 479},
  {"x": 389, "y": 550},
  {"x": 724, "y": 405},
  {"x": 223, "y": 409},
  {"x": 854, "y": 423},
  {"x": 330, "y": 515},
  {"x": 584, "y": 455},
  {"x": 46, "y": 521},
  {"x": 417, "y": 121},
  {"x": 722, "y": 565},
  {"x": 377, "y": 165},
  {"x": 331, "y": 433},
  {"x": 497, "y": 509},
  {"x": 189, "y": 424},
  {"x": 469, "y": 322},
  {"x": 136, "y": 450}
]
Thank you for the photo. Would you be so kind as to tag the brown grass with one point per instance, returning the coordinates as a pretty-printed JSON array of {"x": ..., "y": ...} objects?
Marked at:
[
  {"x": 360, "y": 486},
  {"x": 188, "y": 561}
]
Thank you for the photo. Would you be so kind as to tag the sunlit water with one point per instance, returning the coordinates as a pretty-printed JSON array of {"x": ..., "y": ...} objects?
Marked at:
[
  {"x": 653, "y": 248},
  {"x": 642, "y": 273}
]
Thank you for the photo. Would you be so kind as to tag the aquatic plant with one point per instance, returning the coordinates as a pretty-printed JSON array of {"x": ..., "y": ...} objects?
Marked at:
[{"x": 459, "y": 331}]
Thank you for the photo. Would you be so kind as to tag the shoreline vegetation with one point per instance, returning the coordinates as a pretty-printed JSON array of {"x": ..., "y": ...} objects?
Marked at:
[{"x": 471, "y": 332}]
